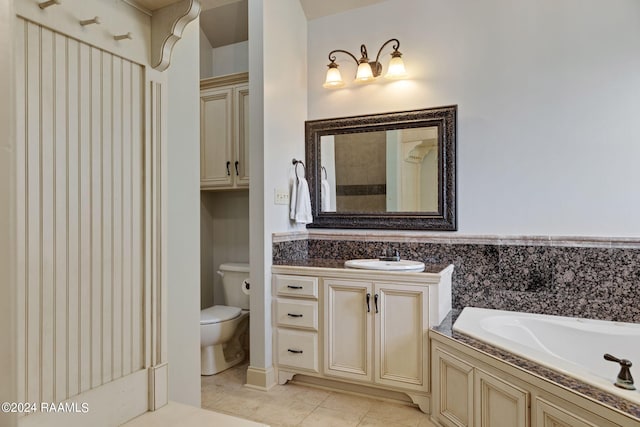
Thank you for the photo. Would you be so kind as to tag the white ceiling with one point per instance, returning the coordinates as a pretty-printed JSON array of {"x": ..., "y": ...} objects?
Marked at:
[
  {"x": 153, "y": 4},
  {"x": 312, "y": 8},
  {"x": 225, "y": 22},
  {"x": 158, "y": 4},
  {"x": 318, "y": 8}
]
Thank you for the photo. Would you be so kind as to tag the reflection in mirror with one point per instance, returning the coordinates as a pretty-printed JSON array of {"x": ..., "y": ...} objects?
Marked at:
[
  {"x": 380, "y": 171},
  {"x": 392, "y": 170}
]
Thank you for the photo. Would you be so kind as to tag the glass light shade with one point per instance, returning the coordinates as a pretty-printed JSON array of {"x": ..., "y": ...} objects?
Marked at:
[
  {"x": 396, "y": 69},
  {"x": 334, "y": 79},
  {"x": 364, "y": 74}
]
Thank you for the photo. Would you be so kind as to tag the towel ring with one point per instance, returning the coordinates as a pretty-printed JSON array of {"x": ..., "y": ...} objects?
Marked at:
[{"x": 295, "y": 167}]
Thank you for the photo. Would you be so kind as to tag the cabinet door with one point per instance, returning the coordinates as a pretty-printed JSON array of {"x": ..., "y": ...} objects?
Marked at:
[
  {"x": 551, "y": 415},
  {"x": 401, "y": 336},
  {"x": 499, "y": 403},
  {"x": 241, "y": 135},
  {"x": 215, "y": 138},
  {"x": 348, "y": 329},
  {"x": 452, "y": 390}
]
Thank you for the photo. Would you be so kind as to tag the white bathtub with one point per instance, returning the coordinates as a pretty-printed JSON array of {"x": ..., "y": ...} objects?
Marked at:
[{"x": 569, "y": 345}]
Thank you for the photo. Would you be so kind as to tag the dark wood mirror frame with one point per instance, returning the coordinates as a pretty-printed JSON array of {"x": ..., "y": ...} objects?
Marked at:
[{"x": 445, "y": 118}]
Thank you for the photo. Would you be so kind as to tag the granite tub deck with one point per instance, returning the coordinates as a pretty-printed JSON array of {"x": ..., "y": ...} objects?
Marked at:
[{"x": 615, "y": 402}]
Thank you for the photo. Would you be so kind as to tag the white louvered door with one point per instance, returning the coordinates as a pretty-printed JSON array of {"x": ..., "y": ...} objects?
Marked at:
[{"x": 89, "y": 300}]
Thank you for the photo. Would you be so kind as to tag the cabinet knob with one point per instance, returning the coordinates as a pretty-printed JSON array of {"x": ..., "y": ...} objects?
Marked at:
[
  {"x": 228, "y": 171},
  {"x": 294, "y": 351},
  {"x": 237, "y": 173},
  {"x": 294, "y": 315}
]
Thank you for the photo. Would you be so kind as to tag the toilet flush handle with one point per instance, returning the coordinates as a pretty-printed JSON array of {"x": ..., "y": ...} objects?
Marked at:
[{"x": 220, "y": 273}]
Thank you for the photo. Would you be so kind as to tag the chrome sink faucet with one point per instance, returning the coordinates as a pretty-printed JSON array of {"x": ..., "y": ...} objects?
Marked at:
[{"x": 390, "y": 255}]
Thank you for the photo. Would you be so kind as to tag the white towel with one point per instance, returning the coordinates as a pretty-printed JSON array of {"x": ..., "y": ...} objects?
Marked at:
[
  {"x": 293, "y": 199},
  {"x": 325, "y": 196},
  {"x": 300, "y": 208}
]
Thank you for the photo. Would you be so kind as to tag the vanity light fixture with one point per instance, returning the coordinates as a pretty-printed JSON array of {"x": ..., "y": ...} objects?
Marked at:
[{"x": 368, "y": 71}]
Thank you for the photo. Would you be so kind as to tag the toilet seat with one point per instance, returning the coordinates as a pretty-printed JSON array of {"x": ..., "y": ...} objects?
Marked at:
[{"x": 218, "y": 313}]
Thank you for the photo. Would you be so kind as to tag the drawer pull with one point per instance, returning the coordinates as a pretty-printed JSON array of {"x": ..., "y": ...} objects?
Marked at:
[
  {"x": 294, "y": 351},
  {"x": 294, "y": 315},
  {"x": 294, "y": 287}
]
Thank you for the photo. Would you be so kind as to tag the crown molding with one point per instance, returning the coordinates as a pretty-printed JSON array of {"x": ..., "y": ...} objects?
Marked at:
[{"x": 229, "y": 79}]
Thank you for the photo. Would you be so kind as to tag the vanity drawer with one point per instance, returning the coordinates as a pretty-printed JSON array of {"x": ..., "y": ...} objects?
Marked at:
[
  {"x": 297, "y": 313},
  {"x": 301, "y": 286},
  {"x": 297, "y": 349}
]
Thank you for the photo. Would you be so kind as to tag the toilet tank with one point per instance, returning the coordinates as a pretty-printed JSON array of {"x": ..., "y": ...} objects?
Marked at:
[{"x": 233, "y": 274}]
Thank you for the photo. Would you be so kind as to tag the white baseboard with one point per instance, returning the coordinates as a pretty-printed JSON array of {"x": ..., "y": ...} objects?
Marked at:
[
  {"x": 260, "y": 378},
  {"x": 158, "y": 386},
  {"x": 109, "y": 405}
]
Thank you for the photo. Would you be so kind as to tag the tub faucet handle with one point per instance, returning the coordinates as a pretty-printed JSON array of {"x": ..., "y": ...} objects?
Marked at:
[{"x": 624, "y": 379}]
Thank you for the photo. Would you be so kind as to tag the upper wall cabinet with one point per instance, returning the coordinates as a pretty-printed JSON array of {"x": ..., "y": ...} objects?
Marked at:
[{"x": 224, "y": 132}]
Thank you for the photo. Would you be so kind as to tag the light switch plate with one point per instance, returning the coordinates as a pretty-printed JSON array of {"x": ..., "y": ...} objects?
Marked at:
[{"x": 281, "y": 197}]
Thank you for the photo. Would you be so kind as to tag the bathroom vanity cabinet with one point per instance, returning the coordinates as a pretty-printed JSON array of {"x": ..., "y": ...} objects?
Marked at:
[
  {"x": 356, "y": 326},
  {"x": 472, "y": 389},
  {"x": 224, "y": 132},
  {"x": 374, "y": 332}
]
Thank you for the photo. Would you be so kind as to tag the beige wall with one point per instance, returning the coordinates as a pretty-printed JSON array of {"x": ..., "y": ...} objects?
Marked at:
[
  {"x": 230, "y": 59},
  {"x": 206, "y": 56},
  {"x": 547, "y": 130},
  {"x": 7, "y": 204},
  {"x": 224, "y": 225},
  {"x": 183, "y": 221},
  {"x": 278, "y": 87}
]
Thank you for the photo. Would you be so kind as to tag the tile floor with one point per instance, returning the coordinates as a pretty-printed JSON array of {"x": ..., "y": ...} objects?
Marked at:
[
  {"x": 176, "y": 414},
  {"x": 298, "y": 405}
]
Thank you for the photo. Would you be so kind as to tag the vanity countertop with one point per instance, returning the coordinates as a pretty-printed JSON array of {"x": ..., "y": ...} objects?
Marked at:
[
  {"x": 445, "y": 328},
  {"x": 339, "y": 264}
]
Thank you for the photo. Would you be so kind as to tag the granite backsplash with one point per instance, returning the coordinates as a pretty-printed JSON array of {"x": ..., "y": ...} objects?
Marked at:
[{"x": 596, "y": 282}]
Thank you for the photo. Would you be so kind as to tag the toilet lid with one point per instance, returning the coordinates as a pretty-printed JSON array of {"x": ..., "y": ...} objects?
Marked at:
[
  {"x": 240, "y": 267},
  {"x": 218, "y": 313}
]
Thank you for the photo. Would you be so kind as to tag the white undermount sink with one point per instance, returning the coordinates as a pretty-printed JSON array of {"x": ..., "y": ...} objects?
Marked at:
[{"x": 376, "y": 264}]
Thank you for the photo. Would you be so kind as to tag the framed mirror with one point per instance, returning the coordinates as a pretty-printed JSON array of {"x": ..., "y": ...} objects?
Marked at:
[{"x": 384, "y": 171}]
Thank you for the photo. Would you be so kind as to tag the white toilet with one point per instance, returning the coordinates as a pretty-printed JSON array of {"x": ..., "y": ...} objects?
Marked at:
[{"x": 222, "y": 326}]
